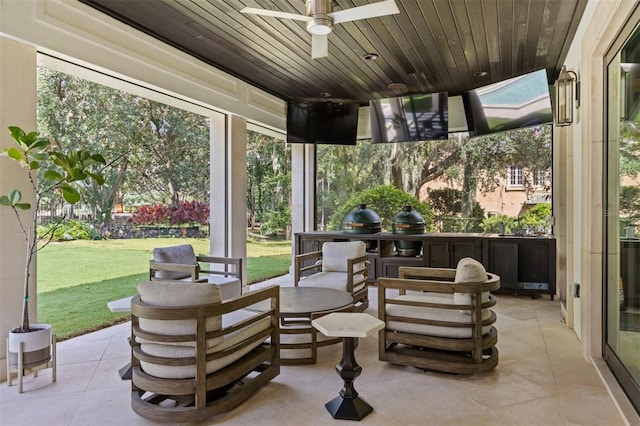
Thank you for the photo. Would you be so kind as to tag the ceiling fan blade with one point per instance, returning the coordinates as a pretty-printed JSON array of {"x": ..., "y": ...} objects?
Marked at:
[
  {"x": 381, "y": 8},
  {"x": 319, "y": 46},
  {"x": 275, "y": 13}
]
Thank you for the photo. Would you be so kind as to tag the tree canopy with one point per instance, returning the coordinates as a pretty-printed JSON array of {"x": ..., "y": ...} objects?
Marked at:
[
  {"x": 473, "y": 164},
  {"x": 157, "y": 153}
]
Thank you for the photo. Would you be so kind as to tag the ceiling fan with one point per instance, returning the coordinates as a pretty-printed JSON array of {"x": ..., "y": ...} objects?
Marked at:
[{"x": 320, "y": 19}]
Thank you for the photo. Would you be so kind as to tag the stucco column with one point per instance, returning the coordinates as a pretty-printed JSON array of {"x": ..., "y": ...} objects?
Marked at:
[
  {"x": 18, "y": 70},
  {"x": 228, "y": 188},
  {"x": 303, "y": 189}
]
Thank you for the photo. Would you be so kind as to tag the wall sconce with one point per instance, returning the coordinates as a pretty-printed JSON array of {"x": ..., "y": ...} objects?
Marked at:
[{"x": 567, "y": 91}]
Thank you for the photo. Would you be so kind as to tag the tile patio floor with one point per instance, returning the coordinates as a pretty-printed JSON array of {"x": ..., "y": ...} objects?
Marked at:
[{"x": 541, "y": 379}]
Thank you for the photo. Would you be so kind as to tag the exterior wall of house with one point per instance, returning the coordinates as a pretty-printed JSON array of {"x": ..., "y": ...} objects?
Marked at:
[
  {"x": 17, "y": 108},
  {"x": 580, "y": 159},
  {"x": 503, "y": 200}
]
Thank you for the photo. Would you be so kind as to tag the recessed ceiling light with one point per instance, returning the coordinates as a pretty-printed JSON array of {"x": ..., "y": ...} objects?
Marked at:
[
  {"x": 325, "y": 94},
  {"x": 370, "y": 56},
  {"x": 480, "y": 74}
]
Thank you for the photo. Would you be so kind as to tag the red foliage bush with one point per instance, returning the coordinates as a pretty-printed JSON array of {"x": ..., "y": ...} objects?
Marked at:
[
  {"x": 187, "y": 212},
  {"x": 150, "y": 215}
]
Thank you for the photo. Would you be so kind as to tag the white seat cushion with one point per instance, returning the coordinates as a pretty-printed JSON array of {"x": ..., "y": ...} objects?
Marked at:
[
  {"x": 230, "y": 287},
  {"x": 335, "y": 255},
  {"x": 189, "y": 371},
  {"x": 178, "y": 293},
  {"x": 335, "y": 280},
  {"x": 432, "y": 314}
]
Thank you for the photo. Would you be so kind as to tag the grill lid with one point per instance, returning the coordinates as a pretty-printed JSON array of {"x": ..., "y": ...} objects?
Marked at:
[
  {"x": 362, "y": 219},
  {"x": 408, "y": 219}
]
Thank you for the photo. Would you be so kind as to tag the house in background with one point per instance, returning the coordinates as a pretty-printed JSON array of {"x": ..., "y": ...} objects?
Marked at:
[{"x": 514, "y": 195}]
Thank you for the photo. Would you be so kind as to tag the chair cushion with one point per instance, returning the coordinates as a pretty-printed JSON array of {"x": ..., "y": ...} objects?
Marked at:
[
  {"x": 182, "y": 254},
  {"x": 178, "y": 293},
  {"x": 335, "y": 255},
  {"x": 469, "y": 270},
  {"x": 335, "y": 280},
  {"x": 230, "y": 287},
  {"x": 419, "y": 312},
  {"x": 189, "y": 371}
]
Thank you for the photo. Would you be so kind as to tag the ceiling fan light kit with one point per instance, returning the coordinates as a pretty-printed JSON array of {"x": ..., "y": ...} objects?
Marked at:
[
  {"x": 320, "y": 26},
  {"x": 320, "y": 19}
]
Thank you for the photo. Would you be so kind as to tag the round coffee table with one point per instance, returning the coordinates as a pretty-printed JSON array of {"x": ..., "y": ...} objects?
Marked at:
[{"x": 298, "y": 307}]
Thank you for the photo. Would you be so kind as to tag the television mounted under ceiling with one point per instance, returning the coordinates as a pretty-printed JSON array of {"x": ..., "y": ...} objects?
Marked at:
[
  {"x": 522, "y": 101},
  {"x": 322, "y": 122},
  {"x": 410, "y": 118}
]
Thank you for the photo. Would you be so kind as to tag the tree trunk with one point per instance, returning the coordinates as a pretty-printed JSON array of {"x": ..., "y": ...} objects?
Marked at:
[{"x": 469, "y": 184}]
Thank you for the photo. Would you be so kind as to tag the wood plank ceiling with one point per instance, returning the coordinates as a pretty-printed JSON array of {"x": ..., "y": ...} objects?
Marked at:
[{"x": 430, "y": 46}]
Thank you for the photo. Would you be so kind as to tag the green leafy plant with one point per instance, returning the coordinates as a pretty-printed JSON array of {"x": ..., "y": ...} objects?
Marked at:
[
  {"x": 499, "y": 223},
  {"x": 536, "y": 219},
  {"x": 387, "y": 201},
  {"x": 62, "y": 173},
  {"x": 69, "y": 230},
  {"x": 275, "y": 220},
  {"x": 446, "y": 204}
]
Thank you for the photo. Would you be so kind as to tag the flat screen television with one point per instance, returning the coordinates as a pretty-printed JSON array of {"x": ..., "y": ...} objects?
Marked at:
[
  {"x": 322, "y": 122},
  {"x": 522, "y": 101},
  {"x": 410, "y": 118}
]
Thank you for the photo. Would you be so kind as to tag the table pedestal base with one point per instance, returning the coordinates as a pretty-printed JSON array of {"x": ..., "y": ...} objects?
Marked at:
[
  {"x": 348, "y": 409},
  {"x": 348, "y": 405}
]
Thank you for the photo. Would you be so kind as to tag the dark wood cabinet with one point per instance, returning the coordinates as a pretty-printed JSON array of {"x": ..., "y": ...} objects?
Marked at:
[
  {"x": 447, "y": 252},
  {"x": 436, "y": 254},
  {"x": 630, "y": 271},
  {"x": 524, "y": 264},
  {"x": 389, "y": 265},
  {"x": 502, "y": 258}
]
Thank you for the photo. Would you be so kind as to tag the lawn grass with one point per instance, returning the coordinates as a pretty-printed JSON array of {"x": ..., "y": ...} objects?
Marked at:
[{"x": 76, "y": 279}]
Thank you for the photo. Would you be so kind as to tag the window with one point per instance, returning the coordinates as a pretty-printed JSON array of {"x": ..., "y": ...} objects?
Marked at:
[
  {"x": 621, "y": 292},
  {"x": 540, "y": 178},
  {"x": 516, "y": 178}
]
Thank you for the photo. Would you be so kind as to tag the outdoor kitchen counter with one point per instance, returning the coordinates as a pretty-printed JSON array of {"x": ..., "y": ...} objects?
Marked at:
[{"x": 525, "y": 264}]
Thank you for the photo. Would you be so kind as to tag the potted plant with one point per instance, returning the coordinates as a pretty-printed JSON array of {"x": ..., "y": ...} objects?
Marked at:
[{"x": 61, "y": 175}]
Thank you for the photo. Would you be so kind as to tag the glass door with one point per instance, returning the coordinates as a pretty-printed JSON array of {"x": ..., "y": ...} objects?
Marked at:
[{"x": 622, "y": 219}]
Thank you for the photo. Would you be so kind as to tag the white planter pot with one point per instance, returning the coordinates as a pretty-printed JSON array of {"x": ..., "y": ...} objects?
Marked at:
[{"x": 36, "y": 347}]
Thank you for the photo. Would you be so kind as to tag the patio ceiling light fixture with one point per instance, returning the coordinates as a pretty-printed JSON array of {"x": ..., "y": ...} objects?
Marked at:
[{"x": 567, "y": 91}]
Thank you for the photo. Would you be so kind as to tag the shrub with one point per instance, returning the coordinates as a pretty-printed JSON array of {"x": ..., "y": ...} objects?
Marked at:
[
  {"x": 385, "y": 200},
  {"x": 274, "y": 220},
  {"x": 150, "y": 215},
  {"x": 499, "y": 223},
  {"x": 457, "y": 224},
  {"x": 188, "y": 212},
  {"x": 70, "y": 230},
  {"x": 537, "y": 215},
  {"x": 446, "y": 204},
  {"x": 445, "y": 200}
]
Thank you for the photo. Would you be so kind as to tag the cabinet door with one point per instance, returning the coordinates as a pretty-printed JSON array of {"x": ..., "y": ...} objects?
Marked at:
[
  {"x": 437, "y": 254},
  {"x": 465, "y": 248},
  {"x": 503, "y": 261},
  {"x": 390, "y": 265},
  {"x": 533, "y": 263}
]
